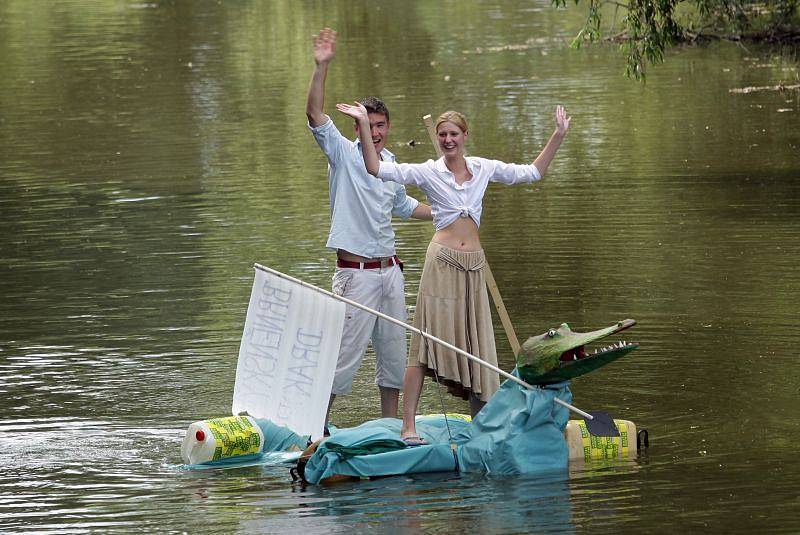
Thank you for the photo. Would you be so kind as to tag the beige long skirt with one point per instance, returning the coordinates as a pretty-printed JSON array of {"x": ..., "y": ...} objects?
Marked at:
[{"x": 453, "y": 305}]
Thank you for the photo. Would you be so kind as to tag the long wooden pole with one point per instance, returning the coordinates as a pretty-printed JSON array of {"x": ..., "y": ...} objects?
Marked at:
[
  {"x": 491, "y": 284},
  {"x": 419, "y": 332},
  {"x": 428, "y": 120}
]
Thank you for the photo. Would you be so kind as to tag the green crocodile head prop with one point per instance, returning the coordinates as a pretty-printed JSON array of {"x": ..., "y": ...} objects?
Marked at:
[{"x": 560, "y": 354}]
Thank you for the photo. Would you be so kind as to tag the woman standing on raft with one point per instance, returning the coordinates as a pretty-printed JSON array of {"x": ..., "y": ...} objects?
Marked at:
[{"x": 452, "y": 302}]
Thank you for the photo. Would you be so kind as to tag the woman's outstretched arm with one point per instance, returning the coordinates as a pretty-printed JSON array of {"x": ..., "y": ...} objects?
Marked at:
[
  {"x": 358, "y": 112},
  {"x": 542, "y": 162}
]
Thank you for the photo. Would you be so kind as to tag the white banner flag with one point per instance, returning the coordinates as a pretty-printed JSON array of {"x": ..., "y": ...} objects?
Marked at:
[{"x": 288, "y": 354}]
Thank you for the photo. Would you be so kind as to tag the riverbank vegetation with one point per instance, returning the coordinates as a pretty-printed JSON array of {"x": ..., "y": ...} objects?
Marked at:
[{"x": 646, "y": 29}]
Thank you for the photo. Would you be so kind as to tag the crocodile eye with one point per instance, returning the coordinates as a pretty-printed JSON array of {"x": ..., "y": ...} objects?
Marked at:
[{"x": 551, "y": 333}]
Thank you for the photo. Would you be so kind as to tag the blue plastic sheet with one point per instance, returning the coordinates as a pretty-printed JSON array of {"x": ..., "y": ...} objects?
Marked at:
[
  {"x": 436, "y": 457},
  {"x": 520, "y": 431},
  {"x": 280, "y": 438}
]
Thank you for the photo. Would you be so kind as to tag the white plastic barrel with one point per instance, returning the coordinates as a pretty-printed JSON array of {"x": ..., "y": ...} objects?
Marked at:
[
  {"x": 221, "y": 438},
  {"x": 585, "y": 446}
]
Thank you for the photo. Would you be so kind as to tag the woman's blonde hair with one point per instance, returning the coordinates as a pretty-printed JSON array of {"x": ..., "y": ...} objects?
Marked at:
[{"x": 454, "y": 117}]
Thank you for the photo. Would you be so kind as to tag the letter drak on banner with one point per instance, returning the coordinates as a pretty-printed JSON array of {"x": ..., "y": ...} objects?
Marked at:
[{"x": 288, "y": 354}]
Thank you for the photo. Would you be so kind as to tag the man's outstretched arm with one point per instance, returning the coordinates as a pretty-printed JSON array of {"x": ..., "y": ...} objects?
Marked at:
[{"x": 324, "y": 51}]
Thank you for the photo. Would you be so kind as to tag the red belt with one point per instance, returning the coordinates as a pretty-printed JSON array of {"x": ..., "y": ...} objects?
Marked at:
[{"x": 387, "y": 262}]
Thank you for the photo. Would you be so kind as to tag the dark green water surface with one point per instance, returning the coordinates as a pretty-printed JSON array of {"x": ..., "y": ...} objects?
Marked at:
[{"x": 151, "y": 152}]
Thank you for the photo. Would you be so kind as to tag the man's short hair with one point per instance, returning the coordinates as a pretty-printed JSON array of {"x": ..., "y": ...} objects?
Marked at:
[{"x": 375, "y": 105}]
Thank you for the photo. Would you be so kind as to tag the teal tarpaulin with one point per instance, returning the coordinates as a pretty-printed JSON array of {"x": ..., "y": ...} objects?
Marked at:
[
  {"x": 520, "y": 431},
  {"x": 280, "y": 438}
]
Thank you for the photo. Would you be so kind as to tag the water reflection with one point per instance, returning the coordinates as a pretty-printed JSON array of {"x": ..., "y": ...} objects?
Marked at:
[{"x": 443, "y": 503}]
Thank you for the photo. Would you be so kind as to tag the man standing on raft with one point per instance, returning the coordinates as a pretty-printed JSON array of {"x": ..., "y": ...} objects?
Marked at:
[{"x": 367, "y": 268}]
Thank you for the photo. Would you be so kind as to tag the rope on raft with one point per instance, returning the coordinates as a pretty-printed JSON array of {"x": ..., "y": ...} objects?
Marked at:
[{"x": 453, "y": 446}]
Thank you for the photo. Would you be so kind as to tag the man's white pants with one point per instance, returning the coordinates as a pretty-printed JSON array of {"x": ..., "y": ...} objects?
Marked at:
[{"x": 380, "y": 289}]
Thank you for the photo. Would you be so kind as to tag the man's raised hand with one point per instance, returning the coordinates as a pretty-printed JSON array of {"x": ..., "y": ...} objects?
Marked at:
[
  {"x": 562, "y": 120},
  {"x": 324, "y": 46}
]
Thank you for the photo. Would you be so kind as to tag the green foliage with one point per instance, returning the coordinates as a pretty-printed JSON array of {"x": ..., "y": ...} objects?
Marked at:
[{"x": 649, "y": 28}]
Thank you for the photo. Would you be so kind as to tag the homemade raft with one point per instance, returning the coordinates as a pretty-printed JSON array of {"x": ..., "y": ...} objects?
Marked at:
[
  {"x": 520, "y": 431},
  {"x": 523, "y": 429}
]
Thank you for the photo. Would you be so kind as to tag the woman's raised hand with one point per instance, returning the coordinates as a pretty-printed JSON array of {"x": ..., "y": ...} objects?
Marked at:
[
  {"x": 562, "y": 120},
  {"x": 542, "y": 162},
  {"x": 356, "y": 110}
]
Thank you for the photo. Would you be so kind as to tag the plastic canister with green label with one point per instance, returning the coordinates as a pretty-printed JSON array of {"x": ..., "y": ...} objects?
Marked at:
[{"x": 222, "y": 438}]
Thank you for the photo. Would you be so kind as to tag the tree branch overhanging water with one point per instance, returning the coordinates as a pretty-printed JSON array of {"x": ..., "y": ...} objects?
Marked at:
[{"x": 649, "y": 28}]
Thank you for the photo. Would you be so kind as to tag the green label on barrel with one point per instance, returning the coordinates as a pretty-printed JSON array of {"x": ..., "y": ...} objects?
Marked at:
[
  {"x": 235, "y": 435},
  {"x": 595, "y": 447}
]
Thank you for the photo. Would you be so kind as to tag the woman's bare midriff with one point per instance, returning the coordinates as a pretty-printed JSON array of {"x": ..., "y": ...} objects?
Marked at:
[{"x": 461, "y": 234}]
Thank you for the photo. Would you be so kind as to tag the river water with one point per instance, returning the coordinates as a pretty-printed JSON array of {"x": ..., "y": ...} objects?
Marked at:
[{"x": 151, "y": 152}]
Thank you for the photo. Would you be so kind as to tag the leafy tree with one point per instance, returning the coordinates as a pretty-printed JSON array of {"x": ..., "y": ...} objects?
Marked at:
[{"x": 648, "y": 28}]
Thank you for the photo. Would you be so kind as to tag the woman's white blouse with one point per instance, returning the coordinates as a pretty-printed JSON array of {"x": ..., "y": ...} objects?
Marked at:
[{"x": 449, "y": 200}]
